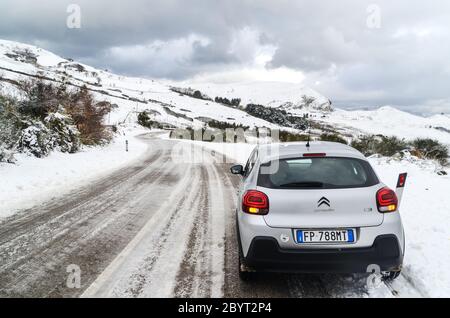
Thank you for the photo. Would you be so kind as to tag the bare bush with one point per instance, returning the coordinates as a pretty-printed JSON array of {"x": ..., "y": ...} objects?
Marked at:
[{"x": 88, "y": 116}]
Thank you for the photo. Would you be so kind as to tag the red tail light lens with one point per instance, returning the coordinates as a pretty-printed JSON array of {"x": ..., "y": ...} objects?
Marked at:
[
  {"x": 255, "y": 202},
  {"x": 387, "y": 200}
]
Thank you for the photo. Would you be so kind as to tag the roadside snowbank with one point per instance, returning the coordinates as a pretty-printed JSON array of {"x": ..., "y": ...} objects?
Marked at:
[{"x": 32, "y": 181}]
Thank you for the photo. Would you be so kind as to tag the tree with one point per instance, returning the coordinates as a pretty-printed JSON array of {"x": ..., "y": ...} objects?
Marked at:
[
  {"x": 198, "y": 95},
  {"x": 41, "y": 99}
]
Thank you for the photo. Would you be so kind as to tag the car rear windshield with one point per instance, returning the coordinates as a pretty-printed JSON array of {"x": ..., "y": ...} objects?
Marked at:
[{"x": 317, "y": 173}]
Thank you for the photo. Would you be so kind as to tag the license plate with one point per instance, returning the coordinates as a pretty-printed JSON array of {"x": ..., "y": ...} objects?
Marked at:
[{"x": 325, "y": 236}]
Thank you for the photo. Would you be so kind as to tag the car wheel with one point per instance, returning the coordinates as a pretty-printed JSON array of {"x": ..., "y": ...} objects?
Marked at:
[{"x": 390, "y": 276}]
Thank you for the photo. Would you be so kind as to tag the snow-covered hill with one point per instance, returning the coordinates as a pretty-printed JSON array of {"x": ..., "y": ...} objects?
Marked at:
[
  {"x": 132, "y": 95},
  {"x": 393, "y": 122},
  {"x": 290, "y": 97}
]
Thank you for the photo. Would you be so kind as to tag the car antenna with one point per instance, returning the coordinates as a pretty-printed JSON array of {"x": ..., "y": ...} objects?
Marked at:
[{"x": 308, "y": 144}]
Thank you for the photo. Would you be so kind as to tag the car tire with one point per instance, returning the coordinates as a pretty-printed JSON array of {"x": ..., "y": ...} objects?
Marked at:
[
  {"x": 245, "y": 276},
  {"x": 245, "y": 273}
]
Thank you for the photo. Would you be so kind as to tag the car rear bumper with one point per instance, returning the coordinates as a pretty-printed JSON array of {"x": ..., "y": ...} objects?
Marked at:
[{"x": 265, "y": 254}]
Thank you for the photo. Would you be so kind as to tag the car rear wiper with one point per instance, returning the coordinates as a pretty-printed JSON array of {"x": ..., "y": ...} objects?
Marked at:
[{"x": 305, "y": 184}]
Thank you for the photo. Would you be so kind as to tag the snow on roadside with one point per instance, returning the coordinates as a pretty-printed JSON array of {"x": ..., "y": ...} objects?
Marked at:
[
  {"x": 32, "y": 181},
  {"x": 426, "y": 219}
]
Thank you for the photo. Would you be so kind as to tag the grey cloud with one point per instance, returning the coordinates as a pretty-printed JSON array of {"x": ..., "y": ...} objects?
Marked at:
[{"x": 402, "y": 63}]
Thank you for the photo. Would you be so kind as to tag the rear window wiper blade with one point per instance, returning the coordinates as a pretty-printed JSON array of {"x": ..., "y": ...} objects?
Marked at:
[{"x": 305, "y": 184}]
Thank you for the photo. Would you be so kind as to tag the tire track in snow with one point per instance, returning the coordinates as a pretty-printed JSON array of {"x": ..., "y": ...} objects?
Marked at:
[
  {"x": 171, "y": 239},
  {"x": 147, "y": 267},
  {"x": 194, "y": 276},
  {"x": 21, "y": 222},
  {"x": 44, "y": 234},
  {"x": 220, "y": 200},
  {"x": 405, "y": 287},
  {"x": 186, "y": 257},
  {"x": 41, "y": 270}
]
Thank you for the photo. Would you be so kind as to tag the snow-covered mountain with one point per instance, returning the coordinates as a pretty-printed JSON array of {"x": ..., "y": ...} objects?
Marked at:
[
  {"x": 390, "y": 121},
  {"x": 132, "y": 95},
  {"x": 182, "y": 109},
  {"x": 287, "y": 96}
]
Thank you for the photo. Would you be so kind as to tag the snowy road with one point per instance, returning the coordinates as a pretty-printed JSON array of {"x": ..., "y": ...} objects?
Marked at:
[{"x": 161, "y": 228}]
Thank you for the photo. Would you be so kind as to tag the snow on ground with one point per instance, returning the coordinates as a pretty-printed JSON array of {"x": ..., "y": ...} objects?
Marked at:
[
  {"x": 425, "y": 217},
  {"x": 32, "y": 181}
]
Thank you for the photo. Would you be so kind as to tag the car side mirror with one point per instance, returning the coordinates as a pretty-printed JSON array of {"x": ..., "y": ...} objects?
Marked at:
[{"x": 237, "y": 170}]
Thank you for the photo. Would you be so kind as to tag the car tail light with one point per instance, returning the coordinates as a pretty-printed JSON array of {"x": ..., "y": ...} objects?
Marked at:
[
  {"x": 314, "y": 155},
  {"x": 255, "y": 202},
  {"x": 387, "y": 200}
]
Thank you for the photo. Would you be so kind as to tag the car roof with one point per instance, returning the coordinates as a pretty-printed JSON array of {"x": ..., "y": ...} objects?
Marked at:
[{"x": 274, "y": 151}]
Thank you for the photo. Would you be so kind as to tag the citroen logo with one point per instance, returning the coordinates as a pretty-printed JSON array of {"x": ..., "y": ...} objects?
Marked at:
[{"x": 324, "y": 201}]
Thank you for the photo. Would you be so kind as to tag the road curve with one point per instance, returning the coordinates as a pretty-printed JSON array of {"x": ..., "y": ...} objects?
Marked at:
[{"x": 162, "y": 227}]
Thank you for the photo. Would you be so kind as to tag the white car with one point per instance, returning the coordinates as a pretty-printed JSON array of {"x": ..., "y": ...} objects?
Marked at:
[{"x": 316, "y": 208}]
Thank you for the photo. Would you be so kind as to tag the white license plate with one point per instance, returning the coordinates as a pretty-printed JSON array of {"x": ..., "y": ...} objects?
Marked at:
[{"x": 326, "y": 236}]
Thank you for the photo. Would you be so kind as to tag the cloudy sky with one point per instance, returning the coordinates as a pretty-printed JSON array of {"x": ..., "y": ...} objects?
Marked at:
[{"x": 358, "y": 53}]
